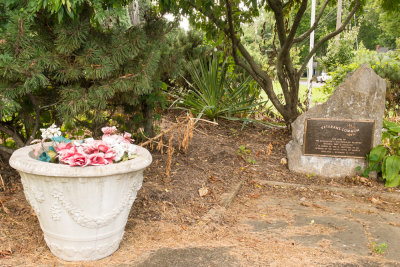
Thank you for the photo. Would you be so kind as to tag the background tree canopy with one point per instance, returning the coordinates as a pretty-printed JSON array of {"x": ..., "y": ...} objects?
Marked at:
[{"x": 224, "y": 20}]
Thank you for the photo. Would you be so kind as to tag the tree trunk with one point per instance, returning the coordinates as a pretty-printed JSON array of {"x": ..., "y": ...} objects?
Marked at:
[
  {"x": 133, "y": 12},
  {"x": 148, "y": 119}
]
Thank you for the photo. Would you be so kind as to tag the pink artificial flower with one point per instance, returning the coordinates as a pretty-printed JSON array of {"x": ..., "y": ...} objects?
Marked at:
[
  {"x": 63, "y": 146},
  {"x": 110, "y": 155},
  {"x": 103, "y": 147},
  {"x": 69, "y": 156},
  {"x": 95, "y": 147},
  {"x": 127, "y": 137},
  {"x": 109, "y": 130},
  {"x": 97, "y": 159},
  {"x": 90, "y": 147},
  {"x": 78, "y": 159},
  {"x": 64, "y": 154},
  {"x": 36, "y": 150}
]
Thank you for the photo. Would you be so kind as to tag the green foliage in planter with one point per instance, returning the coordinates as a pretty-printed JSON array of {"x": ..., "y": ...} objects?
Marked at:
[
  {"x": 218, "y": 92},
  {"x": 386, "y": 158}
]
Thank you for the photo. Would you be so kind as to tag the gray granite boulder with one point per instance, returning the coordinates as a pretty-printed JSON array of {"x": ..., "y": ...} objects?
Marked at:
[{"x": 360, "y": 97}]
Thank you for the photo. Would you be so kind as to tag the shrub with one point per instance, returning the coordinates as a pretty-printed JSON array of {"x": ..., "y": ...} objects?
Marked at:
[
  {"x": 340, "y": 51},
  {"x": 386, "y": 65},
  {"x": 385, "y": 158},
  {"x": 217, "y": 92}
]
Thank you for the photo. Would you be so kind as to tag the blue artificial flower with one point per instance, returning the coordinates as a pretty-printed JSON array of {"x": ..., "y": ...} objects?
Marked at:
[
  {"x": 51, "y": 148},
  {"x": 60, "y": 139},
  {"x": 44, "y": 157}
]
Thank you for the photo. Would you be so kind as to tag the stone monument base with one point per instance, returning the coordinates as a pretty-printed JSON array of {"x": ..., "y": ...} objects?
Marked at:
[{"x": 332, "y": 167}]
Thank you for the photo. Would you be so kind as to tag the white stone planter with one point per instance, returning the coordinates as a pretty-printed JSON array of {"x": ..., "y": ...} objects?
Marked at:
[{"x": 82, "y": 211}]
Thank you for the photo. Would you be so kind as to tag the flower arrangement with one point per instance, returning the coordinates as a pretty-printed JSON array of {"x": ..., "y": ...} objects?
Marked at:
[{"x": 112, "y": 148}]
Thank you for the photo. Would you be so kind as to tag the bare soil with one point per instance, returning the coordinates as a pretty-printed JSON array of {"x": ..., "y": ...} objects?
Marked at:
[{"x": 169, "y": 215}]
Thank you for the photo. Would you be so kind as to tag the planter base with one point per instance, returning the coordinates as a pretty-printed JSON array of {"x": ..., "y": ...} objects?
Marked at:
[{"x": 87, "y": 250}]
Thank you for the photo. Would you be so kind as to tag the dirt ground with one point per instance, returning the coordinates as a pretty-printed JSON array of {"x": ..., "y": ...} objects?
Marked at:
[{"x": 170, "y": 215}]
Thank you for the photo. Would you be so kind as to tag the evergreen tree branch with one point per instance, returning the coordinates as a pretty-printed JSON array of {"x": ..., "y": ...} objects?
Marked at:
[
  {"x": 85, "y": 124},
  {"x": 50, "y": 105}
]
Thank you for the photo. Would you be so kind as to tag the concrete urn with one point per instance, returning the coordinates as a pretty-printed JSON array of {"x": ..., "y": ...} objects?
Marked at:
[{"x": 81, "y": 210}]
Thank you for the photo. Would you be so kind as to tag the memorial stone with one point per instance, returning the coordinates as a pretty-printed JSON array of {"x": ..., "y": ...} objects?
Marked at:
[{"x": 332, "y": 139}]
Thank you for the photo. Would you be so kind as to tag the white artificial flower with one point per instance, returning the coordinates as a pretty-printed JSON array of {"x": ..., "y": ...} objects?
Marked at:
[
  {"x": 77, "y": 143},
  {"x": 51, "y": 132},
  {"x": 119, "y": 144},
  {"x": 109, "y": 140},
  {"x": 119, "y": 151},
  {"x": 132, "y": 150}
]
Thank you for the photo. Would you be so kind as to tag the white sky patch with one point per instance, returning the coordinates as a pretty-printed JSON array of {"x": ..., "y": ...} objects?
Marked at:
[{"x": 184, "y": 23}]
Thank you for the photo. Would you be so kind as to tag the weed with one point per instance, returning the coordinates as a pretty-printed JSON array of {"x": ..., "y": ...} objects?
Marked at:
[
  {"x": 252, "y": 161},
  {"x": 234, "y": 132},
  {"x": 244, "y": 152},
  {"x": 379, "y": 248}
]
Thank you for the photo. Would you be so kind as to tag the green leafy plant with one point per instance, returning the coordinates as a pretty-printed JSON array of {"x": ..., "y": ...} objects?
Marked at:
[
  {"x": 252, "y": 161},
  {"x": 385, "y": 158},
  {"x": 379, "y": 248},
  {"x": 217, "y": 92},
  {"x": 244, "y": 153}
]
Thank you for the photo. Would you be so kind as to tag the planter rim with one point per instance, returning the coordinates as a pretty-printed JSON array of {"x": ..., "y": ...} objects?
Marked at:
[{"x": 22, "y": 161}]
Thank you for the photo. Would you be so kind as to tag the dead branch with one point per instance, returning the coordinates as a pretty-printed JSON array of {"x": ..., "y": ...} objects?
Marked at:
[
  {"x": 184, "y": 127},
  {"x": 2, "y": 183},
  {"x": 169, "y": 159}
]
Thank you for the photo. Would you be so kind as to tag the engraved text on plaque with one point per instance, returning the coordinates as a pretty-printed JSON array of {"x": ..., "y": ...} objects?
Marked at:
[{"x": 338, "y": 138}]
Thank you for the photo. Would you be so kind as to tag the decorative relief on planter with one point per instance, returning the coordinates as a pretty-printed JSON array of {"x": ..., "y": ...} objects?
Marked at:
[
  {"x": 56, "y": 211},
  {"x": 39, "y": 196},
  {"x": 84, "y": 220},
  {"x": 29, "y": 194}
]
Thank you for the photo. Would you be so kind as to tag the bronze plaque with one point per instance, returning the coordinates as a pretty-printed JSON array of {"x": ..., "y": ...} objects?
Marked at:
[{"x": 338, "y": 138}]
